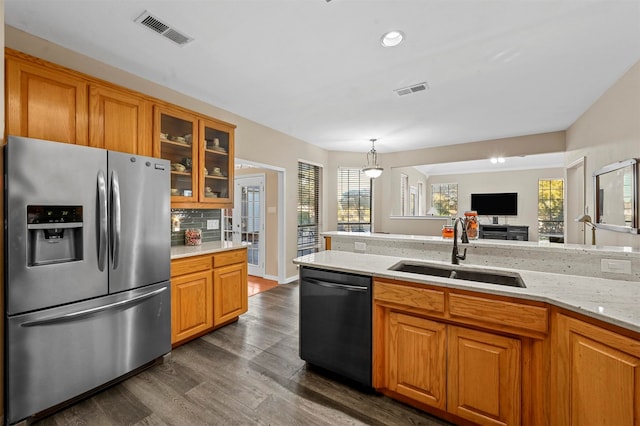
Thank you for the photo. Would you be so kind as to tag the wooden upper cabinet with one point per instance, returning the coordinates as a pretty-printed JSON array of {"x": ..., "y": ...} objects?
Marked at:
[
  {"x": 201, "y": 152},
  {"x": 119, "y": 121},
  {"x": 174, "y": 133},
  {"x": 45, "y": 103}
]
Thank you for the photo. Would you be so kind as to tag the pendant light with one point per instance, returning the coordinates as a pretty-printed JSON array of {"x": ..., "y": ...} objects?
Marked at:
[{"x": 372, "y": 169}]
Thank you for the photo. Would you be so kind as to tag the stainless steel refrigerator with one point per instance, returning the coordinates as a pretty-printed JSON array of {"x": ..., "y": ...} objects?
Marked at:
[{"x": 87, "y": 265}]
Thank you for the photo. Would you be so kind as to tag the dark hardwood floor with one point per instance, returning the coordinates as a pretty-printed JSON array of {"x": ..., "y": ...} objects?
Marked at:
[{"x": 246, "y": 373}]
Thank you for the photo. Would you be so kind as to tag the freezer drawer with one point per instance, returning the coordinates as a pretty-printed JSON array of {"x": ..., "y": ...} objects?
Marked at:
[{"x": 56, "y": 354}]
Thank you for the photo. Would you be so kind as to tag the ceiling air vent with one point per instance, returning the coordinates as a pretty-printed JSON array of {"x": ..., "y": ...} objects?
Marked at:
[
  {"x": 165, "y": 30},
  {"x": 412, "y": 89}
]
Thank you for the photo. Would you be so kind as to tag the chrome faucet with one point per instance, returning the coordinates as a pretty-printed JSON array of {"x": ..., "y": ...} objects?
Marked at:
[{"x": 464, "y": 239}]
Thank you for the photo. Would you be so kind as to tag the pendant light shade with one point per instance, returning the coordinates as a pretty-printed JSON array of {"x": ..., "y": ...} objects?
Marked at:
[{"x": 372, "y": 169}]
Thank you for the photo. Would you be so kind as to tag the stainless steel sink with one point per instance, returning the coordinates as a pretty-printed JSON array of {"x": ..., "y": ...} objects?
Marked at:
[{"x": 507, "y": 278}]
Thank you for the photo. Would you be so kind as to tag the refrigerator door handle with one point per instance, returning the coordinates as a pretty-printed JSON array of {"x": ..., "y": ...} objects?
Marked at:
[
  {"x": 116, "y": 219},
  {"x": 92, "y": 311},
  {"x": 102, "y": 219}
]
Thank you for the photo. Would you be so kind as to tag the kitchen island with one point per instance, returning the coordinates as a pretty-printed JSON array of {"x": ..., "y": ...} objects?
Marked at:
[
  {"x": 208, "y": 288},
  {"x": 492, "y": 354}
]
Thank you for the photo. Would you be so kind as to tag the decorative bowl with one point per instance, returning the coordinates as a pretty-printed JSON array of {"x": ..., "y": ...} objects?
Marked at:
[{"x": 178, "y": 167}]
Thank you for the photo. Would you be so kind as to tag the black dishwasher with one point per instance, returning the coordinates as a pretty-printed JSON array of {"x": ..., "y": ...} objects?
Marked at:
[{"x": 335, "y": 322}]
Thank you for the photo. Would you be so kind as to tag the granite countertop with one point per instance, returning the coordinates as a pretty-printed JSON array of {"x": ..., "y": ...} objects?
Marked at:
[
  {"x": 612, "y": 301},
  {"x": 178, "y": 252}
]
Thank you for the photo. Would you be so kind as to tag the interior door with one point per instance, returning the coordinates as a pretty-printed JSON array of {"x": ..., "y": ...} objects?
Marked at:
[{"x": 247, "y": 220}]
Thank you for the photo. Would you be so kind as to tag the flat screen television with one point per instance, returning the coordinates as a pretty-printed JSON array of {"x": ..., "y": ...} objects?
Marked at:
[{"x": 495, "y": 204}]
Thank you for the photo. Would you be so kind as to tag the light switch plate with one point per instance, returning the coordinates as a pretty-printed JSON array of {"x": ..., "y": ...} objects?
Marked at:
[
  {"x": 213, "y": 224},
  {"x": 360, "y": 247},
  {"x": 616, "y": 266}
]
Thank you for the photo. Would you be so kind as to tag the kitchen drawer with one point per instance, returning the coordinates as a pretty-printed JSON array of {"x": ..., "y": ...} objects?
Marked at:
[
  {"x": 503, "y": 314},
  {"x": 190, "y": 264},
  {"x": 415, "y": 297},
  {"x": 229, "y": 258}
]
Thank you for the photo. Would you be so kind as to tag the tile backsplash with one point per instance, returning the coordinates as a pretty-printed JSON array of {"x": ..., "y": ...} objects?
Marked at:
[{"x": 196, "y": 218}]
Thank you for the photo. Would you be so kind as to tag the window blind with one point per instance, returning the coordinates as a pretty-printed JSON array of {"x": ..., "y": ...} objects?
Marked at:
[
  {"x": 308, "y": 208},
  {"x": 354, "y": 200}
]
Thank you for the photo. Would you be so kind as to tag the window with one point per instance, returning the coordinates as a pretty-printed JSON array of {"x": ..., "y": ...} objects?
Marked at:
[
  {"x": 550, "y": 208},
  {"x": 354, "y": 200},
  {"x": 308, "y": 208},
  {"x": 420, "y": 199},
  {"x": 413, "y": 201},
  {"x": 444, "y": 198},
  {"x": 404, "y": 194}
]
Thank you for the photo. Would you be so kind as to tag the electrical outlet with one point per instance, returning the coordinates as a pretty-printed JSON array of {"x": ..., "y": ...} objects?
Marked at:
[
  {"x": 213, "y": 224},
  {"x": 360, "y": 247},
  {"x": 616, "y": 266}
]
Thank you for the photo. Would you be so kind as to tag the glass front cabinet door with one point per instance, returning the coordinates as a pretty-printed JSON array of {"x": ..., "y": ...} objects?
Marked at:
[
  {"x": 216, "y": 163},
  {"x": 201, "y": 154}
]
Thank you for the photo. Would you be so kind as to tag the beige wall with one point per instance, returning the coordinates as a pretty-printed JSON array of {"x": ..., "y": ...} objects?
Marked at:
[
  {"x": 609, "y": 131},
  {"x": 254, "y": 142},
  {"x": 414, "y": 178}
]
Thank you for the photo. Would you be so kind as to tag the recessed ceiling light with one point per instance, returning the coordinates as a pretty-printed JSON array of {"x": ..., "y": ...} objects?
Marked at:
[{"x": 392, "y": 38}]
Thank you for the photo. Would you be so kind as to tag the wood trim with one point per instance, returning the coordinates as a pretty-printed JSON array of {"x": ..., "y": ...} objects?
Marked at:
[
  {"x": 536, "y": 379},
  {"x": 425, "y": 299},
  {"x": 327, "y": 243},
  {"x": 596, "y": 322},
  {"x": 501, "y": 314},
  {"x": 191, "y": 264},
  {"x": 229, "y": 257}
]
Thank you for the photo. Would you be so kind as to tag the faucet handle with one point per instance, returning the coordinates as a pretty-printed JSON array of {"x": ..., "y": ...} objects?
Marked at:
[{"x": 464, "y": 255}]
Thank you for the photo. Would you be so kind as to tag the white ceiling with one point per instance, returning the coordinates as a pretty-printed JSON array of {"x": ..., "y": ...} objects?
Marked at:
[
  {"x": 525, "y": 162},
  {"x": 316, "y": 70}
]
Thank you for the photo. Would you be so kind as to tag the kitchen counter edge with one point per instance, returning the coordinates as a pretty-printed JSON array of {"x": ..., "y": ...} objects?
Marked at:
[{"x": 179, "y": 252}]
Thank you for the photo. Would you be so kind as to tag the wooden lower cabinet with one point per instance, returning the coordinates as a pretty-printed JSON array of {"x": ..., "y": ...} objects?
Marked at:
[
  {"x": 192, "y": 305},
  {"x": 457, "y": 369},
  {"x": 471, "y": 374},
  {"x": 207, "y": 292},
  {"x": 230, "y": 292},
  {"x": 595, "y": 376},
  {"x": 417, "y": 359},
  {"x": 483, "y": 376}
]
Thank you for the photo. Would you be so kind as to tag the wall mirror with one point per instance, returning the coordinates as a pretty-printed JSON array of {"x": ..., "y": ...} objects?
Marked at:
[{"x": 616, "y": 197}]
